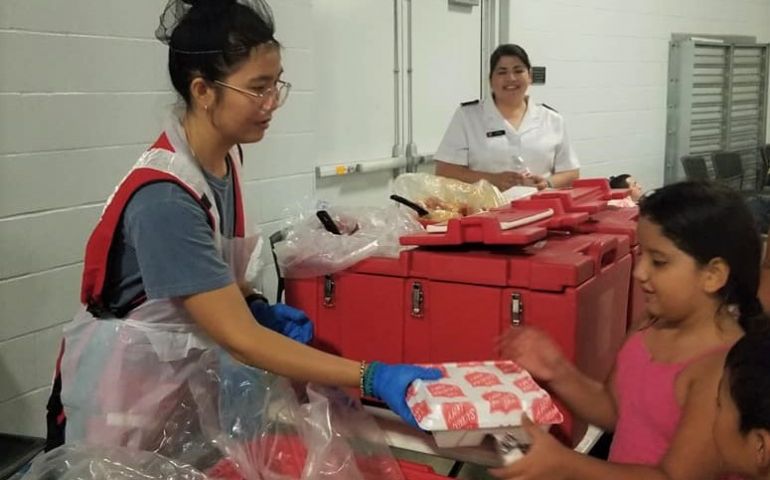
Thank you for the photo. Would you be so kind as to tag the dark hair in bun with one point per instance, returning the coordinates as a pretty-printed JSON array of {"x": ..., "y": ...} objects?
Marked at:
[{"x": 210, "y": 38}]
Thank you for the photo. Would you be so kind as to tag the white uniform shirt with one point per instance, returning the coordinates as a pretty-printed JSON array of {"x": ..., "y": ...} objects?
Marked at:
[{"x": 480, "y": 138}]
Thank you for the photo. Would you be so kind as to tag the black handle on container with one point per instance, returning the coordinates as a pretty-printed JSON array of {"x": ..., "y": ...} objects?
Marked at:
[
  {"x": 327, "y": 222},
  {"x": 403, "y": 201}
]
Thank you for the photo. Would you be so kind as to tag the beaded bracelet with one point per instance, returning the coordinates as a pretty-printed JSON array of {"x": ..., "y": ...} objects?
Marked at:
[
  {"x": 361, "y": 374},
  {"x": 368, "y": 379}
]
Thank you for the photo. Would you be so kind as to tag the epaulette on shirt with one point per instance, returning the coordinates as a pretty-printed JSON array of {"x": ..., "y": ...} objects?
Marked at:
[
  {"x": 549, "y": 107},
  {"x": 472, "y": 102}
]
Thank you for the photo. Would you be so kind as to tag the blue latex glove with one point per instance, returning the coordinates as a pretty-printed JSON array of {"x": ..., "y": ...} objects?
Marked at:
[
  {"x": 390, "y": 382},
  {"x": 281, "y": 318}
]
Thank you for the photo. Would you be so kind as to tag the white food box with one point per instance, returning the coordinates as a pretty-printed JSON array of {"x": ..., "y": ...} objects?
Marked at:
[{"x": 475, "y": 399}]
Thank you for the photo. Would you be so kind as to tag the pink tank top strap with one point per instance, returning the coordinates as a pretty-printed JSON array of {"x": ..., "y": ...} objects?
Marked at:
[
  {"x": 640, "y": 346},
  {"x": 648, "y": 411}
]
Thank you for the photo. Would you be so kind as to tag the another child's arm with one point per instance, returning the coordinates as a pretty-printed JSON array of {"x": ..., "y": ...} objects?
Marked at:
[
  {"x": 691, "y": 456},
  {"x": 764, "y": 279},
  {"x": 589, "y": 399}
]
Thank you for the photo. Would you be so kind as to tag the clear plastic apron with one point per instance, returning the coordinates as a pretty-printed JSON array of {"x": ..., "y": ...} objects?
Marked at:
[{"x": 123, "y": 379}]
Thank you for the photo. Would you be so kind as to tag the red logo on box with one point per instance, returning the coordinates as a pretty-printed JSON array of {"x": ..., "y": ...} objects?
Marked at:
[
  {"x": 410, "y": 392},
  {"x": 545, "y": 412},
  {"x": 420, "y": 410},
  {"x": 460, "y": 416},
  {"x": 503, "y": 402},
  {"x": 445, "y": 390},
  {"x": 508, "y": 367},
  {"x": 482, "y": 379},
  {"x": 470, "y": 364},
  {"x": 526, "y": 384}
]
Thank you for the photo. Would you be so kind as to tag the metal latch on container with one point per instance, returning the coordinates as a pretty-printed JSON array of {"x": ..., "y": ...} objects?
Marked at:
[
  {"x": 517, "y": 309},
  {"x": 328, "y": 291},
  {"x": 418, "y": 298}
]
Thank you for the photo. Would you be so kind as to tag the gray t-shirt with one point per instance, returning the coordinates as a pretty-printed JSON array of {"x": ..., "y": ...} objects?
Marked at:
[{"x": 164, "y": 244}]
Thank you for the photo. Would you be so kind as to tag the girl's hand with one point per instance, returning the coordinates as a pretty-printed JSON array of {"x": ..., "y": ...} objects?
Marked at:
[
  {"x": 547, "y": 459},
  {"x": 534, "y": 351}
]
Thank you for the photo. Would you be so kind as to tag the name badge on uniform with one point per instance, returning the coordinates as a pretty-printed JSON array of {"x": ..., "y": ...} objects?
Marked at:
[{"x": 496, "y": 133}]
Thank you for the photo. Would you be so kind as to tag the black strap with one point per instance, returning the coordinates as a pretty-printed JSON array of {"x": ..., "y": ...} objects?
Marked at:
[
  {"x": 276, "y": 237},
  {"x": 549, "y": 107},
  {"x": 103, "y": 311},
  {"x": 414, "y": 206},
  {"x": 327, "y": 222},
  {"x": 56, "y": 422},
  {"x": 121, "y": 312},
  {"x": 206, "y": 202}
]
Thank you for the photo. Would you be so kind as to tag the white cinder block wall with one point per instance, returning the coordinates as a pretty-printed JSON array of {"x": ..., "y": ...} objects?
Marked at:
[
  {"x": 607, "y": 67},
  {"x": 83, "y": 88},
  {"x": 83, "y": 91},
  {"x": 80, "y": 96},
  {"x": 354, "y": 58}
]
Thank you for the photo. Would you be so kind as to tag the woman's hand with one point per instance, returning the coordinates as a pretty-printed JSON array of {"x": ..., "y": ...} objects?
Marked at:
[
  {"x": 535, "y": 352},
  {"x": 283, "y": 319},
  {"x": 547, "y": 459},
  {"x": 536, "y": 181},
  {"x": 391, "y": 382},
  {"x": 506, "y": 180}
]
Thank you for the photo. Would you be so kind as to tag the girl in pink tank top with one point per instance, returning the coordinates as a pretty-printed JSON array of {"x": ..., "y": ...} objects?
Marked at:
[
  {"x": 646, "y": 388},
  {"x": 699, "y": 270}
]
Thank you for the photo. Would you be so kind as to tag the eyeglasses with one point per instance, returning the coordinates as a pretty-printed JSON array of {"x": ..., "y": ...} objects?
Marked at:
[{"x": 278, "y": 93}]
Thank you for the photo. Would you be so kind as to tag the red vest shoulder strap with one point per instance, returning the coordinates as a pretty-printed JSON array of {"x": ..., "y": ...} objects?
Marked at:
[{"x": 163, "y": 143}]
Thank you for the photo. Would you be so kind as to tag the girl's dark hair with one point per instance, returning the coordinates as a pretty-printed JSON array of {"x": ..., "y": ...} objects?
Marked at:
[
  {"x": 508, "y": 50},
  {"x": 707, "y": 221},
  {"x": 213, "y": 37},
  {"x": 619, "y": 181},
  {"x": 748, "y": 366}
]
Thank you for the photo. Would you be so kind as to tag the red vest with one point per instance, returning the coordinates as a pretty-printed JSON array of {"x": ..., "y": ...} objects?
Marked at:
[{"x": 163, "y": 162}]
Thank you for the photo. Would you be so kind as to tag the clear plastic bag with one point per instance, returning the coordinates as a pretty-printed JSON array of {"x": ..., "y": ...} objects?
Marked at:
[
  {"x": 83, "y": 462},
  {"x": 235, "y": 422},
  {"x": 310, "y": 250},
  {"x": 446, "y": 198},
  {"x": 271, "y": 430},
  {"x": 196, "y": 405}
]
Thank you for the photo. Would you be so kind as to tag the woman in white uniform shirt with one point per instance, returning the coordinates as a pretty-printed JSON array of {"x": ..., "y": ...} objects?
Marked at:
[{"x": 508, "y": 139}]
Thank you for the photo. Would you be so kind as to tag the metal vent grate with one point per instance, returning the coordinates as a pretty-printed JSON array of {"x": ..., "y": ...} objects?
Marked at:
[
  {"x": 717, "y": 101},
  {"x": 538, "y": 75}
]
